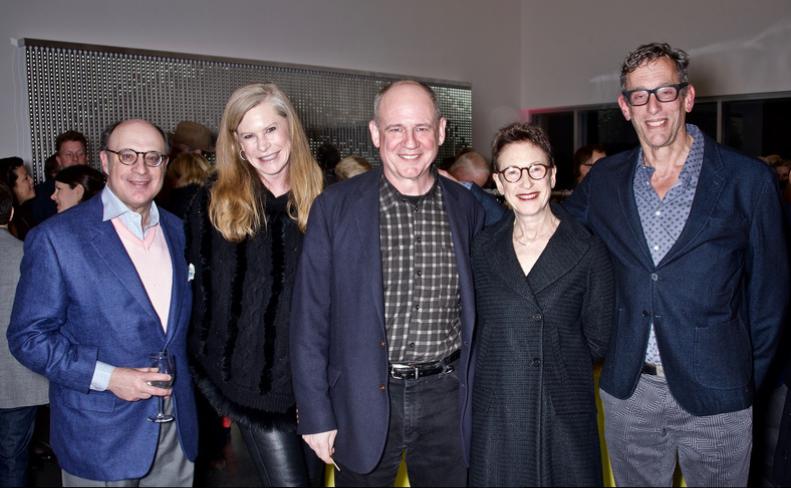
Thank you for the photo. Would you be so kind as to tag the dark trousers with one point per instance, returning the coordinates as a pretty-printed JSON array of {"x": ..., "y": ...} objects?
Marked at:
[
  {"x": 282, "y": 458},
  {"x": 424, "y": 421},
  {"x": 16, "y": 429}
]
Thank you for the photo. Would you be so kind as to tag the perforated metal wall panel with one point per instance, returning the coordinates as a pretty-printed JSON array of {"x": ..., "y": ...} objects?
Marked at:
[{"x": 87, "y": 88}]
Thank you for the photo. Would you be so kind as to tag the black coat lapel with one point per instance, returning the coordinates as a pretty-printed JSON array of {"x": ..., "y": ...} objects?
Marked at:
[
  {"x": 710, "y": 185},
  {"x": 564, "y": 251},
  {"x": 179, "y": 279},
  {"x": 502, "y": 259},
  {"x": 624, "y": 186},
  {"x": 108, "y": 246},
  {"x": 367, "y": 223}
]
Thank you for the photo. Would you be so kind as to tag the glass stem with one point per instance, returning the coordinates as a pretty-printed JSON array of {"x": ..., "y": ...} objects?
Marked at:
[{"x": 161, "y": 413}]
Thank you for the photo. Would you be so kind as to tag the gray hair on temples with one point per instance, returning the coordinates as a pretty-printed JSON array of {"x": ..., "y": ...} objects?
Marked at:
[{"x": 651, "y": 52}]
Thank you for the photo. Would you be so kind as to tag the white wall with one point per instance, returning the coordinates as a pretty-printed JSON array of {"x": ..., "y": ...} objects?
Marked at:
[
  {"x": 573, "y": 50},
  {"x": 462, "y": 40},
  {"x": 518, "y": 54}
]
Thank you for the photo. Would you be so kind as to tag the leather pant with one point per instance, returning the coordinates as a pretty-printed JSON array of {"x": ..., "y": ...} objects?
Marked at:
[{"x": 282, "y": 458}]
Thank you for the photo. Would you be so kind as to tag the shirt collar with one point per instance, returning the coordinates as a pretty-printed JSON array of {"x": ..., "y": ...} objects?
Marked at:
[
  {"x": 692, "y": 165},
  {"x": 390, "y": 195},
  {"x": 115, "y": 208}
]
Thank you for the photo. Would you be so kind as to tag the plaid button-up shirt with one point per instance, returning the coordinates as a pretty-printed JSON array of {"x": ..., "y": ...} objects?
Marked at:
[{"x": 420, "y": 279}]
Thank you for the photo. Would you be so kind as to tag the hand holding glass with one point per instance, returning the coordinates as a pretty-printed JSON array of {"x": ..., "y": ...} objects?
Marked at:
[{"x": 163, "y": 362}]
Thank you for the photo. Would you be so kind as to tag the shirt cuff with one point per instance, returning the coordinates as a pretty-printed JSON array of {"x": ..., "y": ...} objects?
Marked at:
[{"x": 101, "y": 376}]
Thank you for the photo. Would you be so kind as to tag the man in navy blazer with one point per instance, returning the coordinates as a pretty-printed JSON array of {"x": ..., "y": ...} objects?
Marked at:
[
  {"x": 696, "y": 234},
  {"x": 103, "y": 286},
  {"x": 383, "y": 308}
]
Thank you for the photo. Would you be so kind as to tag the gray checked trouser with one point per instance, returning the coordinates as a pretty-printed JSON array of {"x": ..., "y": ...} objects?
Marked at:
[{"x": 649, "y": 431}]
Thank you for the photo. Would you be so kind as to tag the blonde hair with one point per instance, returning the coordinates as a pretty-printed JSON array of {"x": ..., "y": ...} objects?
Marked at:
[
  {"x": 234, "y": 209},
  {"x": 189, "y": 169},
  {"x": 351, "y": 166}
]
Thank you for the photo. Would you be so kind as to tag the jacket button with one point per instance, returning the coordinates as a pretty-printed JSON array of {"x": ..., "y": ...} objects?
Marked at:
[
  {"x": 645, "y": 313},
  {"x": 537, "y": 316},
  {"x": 654, "y": 277},
  {"x": 381, "y": 387},
  {"x": 382, "y": 344},
  {"x": 536, "y": 362}
]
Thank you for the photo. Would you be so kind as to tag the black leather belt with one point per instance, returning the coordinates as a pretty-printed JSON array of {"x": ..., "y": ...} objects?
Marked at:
[
  {"x": 653, "y": 370},
  {"x": 419, "y": 370}
]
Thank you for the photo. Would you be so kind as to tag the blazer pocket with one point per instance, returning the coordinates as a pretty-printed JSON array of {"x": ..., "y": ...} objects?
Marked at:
[
  {"x": 95, "y": 401},
  {"x": 722, "y": 355}
]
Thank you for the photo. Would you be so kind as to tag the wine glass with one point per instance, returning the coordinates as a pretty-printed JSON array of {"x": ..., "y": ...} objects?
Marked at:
[{"x": 163, "y": 362}]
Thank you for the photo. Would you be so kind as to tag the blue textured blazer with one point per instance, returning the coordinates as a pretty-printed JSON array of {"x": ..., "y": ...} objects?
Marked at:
[
  {"x": 80, "y": 300},
  {"x": 338, "y": 339},
  {"x": 717, "y": 299}
]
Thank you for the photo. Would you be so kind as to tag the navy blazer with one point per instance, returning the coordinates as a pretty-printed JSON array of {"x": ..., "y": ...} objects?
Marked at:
[
  {"x": 717, "y": 299},
  {"x": 338, "y": 339},
  {"x": 79, "y": 301}
]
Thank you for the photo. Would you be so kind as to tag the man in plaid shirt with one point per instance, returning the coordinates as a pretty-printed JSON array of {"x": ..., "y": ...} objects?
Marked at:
[{"x": 383, "y": 308}]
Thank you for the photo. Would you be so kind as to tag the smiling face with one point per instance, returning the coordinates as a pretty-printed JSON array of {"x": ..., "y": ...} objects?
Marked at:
[
  {"x": 657, "y": 123},
  {"x": 408, "y": 135},
  {"x": 135, "y": 185},
  {"x": 264, "y": 136},
  {"x": 527, "y": 197},
  {"x": 65, "y": 196}
]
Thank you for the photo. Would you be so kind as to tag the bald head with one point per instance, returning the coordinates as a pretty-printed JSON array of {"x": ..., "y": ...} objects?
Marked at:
[
  {"x": 406, "y": 83},
  {"x": 471, "y": 167}
]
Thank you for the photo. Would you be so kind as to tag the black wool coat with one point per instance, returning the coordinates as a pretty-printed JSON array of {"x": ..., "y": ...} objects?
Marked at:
[
  {"x": 537, "y": 337},
  {"x": 238, "y": 339}
]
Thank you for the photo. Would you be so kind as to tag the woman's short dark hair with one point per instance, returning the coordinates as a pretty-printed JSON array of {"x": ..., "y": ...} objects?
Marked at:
[
  {"x": 520, "y": 132},
  {"x": 8, "y": 168},
  {"x": 91, "y": 180}
]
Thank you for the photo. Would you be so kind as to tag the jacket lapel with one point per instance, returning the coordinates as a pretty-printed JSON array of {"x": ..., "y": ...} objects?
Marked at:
[
  {"x": 563, "y": 252},
  {"x": 460, "y": 229},
  {"x": 108, "y": 246},
  {"x": 502, "y": 259},
  {"x": 367, "y": 223},
  {"x": 624, "y": 187},
  {"x": 707, "y": 193},
  {"x": 179, "y": 280}
]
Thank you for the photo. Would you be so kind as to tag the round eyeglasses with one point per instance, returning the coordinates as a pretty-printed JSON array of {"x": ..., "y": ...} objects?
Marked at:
[
  {"x": 129, "y": 157},
  {"x": 664, "y": 94},
  {"x": 512, "y": 174}
]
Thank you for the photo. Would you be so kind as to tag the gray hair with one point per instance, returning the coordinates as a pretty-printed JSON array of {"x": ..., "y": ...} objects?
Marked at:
[{"x": 651, "y": 52}]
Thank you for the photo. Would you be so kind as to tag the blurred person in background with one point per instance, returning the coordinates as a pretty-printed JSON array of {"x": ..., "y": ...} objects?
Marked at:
[
  {"x": 14, "y": 175},
  {"x": 584, "y": 159},
  {"x": 351, "y": 166},
  {"x": 21, "y": 390},
  {"x": 187, "y": 173},
  {"x": 76, "y": 184},
  {"x": 71, "y": 149}
]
